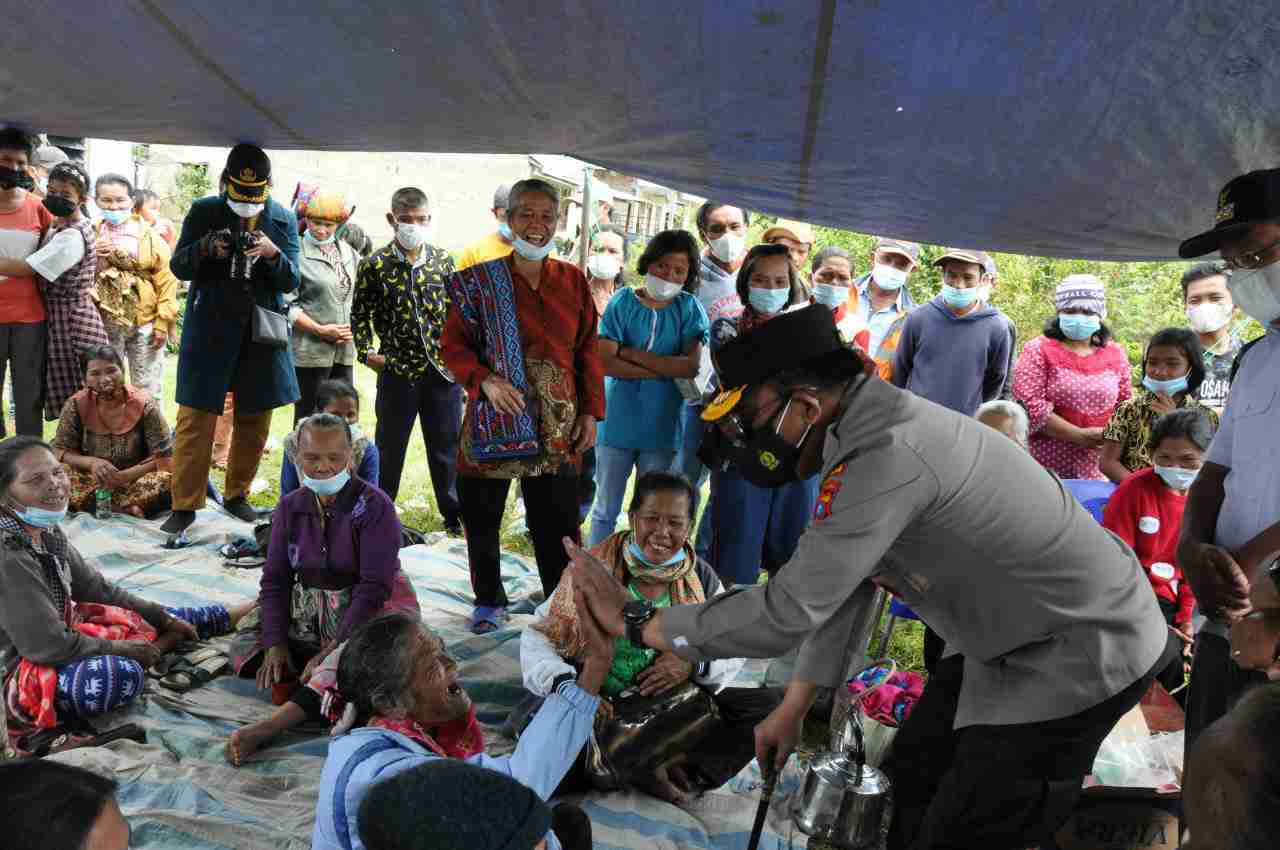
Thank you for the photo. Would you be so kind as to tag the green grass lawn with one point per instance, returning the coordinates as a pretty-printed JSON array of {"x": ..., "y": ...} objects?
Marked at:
[{"x": 416, "y": 500}]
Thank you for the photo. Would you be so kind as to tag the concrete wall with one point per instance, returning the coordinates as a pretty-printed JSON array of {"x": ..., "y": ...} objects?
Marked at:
[{"x": 460, "y": 186}]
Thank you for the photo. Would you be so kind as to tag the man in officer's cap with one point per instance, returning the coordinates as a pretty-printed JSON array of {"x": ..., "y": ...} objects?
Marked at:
[
  {"x": 240, "y": 252},
  {"x": 1051, "y": 628}
]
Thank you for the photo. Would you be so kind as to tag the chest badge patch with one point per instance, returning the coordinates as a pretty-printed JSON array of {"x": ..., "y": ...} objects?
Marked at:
[
  {"x": 827, "y": 492},
  {"x": 1148, "y": 525}
]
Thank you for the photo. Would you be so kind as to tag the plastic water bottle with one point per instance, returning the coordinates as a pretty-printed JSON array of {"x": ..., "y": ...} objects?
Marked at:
[{"x": 103, "y": 503}]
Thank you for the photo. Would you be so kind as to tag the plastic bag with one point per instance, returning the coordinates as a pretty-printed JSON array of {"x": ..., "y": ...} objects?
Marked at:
[{"x": 1151, "y": 762}]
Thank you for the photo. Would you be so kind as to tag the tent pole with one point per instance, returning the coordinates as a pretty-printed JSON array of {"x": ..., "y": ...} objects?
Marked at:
[{"x": 584, "y": 249}]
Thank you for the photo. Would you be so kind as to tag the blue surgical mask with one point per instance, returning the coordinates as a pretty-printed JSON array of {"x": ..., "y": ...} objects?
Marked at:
[
  {"x": 1170, "y": 387},
  {"x": 959, "y": 299},
  {"x": 638, "y": 554},
  {"x": 1077, "y": 327},
  {"x": 357, "y": 433},
  {"x": 830, "y": 295},
  {"x": 315, "y": 241},
  {"x": 769, "y": 301},
  {"x": 530, "y": 251},
  {"x": 1177, "y": 477},
  {"x": 39, "y": 517},
  {"x": 116, "y": 216},
  {"x": 504, "y": 230},
  {"x": 326, "y": 486}
]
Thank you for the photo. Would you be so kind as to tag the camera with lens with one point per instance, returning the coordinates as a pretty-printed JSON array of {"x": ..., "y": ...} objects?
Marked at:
[{"x": 244, "y": 240}]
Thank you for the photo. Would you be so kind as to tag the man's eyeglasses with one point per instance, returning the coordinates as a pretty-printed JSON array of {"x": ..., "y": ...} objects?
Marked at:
[{"x": 1250, "y": 261}]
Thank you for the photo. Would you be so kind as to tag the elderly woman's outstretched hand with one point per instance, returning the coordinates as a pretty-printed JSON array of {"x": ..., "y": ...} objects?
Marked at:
[
  {"x": 602, "y": 594},
  {"x": 595, "y": 668}
]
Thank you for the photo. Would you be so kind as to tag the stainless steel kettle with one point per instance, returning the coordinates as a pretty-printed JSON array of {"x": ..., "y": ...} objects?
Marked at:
[{"x": 842, "y": 800}]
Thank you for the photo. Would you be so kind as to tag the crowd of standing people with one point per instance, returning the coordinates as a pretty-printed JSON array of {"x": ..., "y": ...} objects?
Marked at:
[{"x": 522, "y": 367}]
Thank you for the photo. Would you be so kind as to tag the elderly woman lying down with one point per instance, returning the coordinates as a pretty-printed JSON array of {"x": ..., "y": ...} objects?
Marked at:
[
  {"x": 656, "y": 562},
  {"x": 72, "y": 644},
  {"x": 404, "y": 707}
]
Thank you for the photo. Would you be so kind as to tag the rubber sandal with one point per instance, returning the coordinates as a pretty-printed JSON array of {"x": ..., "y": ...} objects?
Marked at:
[
  {"x": 493, "y": 616},
  {"x": 187, "y": 675}
]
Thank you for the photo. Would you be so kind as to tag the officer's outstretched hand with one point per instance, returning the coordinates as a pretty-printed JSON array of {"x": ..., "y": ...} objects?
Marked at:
[{"x": 601, "y": 592}]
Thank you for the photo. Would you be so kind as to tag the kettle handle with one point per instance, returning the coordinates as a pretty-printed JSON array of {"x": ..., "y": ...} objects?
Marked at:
[{"x": 859, "y": 746}]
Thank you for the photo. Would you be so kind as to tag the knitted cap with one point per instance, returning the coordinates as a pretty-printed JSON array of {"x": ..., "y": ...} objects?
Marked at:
[
  {"x": 452, "y": 805},
  {"x": 1083, "y": 292},
  {"x": 328, "y": 206}
]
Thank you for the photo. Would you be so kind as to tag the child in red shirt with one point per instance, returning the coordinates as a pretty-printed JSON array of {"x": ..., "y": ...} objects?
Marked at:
[{"x": 1146, "y": 511}]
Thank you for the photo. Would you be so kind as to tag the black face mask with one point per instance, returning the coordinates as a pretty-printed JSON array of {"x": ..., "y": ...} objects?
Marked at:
[
  {"x": 59, "y": 205},
  {"x": 11, "y": 178},
  {"x": 764, "y": 458}
]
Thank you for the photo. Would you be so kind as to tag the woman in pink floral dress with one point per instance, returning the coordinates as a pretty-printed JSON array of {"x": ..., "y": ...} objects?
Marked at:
[{"x": 1071, "y": 379}]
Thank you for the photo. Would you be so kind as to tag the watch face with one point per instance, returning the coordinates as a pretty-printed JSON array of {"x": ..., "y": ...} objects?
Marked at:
[{"x": 636, "y": 610}]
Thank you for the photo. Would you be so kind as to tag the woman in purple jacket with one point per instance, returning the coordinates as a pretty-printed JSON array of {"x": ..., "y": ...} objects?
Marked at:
[{"x": 332, "y": 565}]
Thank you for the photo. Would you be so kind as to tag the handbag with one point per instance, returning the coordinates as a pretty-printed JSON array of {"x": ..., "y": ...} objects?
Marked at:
[
  {"x": 646, "y": 732},
  {"x": 269, "y": 327}
]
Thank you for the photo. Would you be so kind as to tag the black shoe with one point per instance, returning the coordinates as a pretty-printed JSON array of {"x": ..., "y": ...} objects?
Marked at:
[
  {"x": 241, "y": 509},
  {"x": 178, "y": 521}
]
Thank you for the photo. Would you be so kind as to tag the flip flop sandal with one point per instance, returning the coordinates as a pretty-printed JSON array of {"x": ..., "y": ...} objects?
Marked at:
[
  {"x": 241, "y": 547},
  {"x": 492, "y": 616},
  {"x": 186, "y": 675},
  {"x": 74, "y": 735}
]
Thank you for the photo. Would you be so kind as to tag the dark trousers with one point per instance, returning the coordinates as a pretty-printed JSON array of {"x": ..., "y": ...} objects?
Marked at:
[
  {"x": 1217, "y": 683},
  {"x": 995, "y": 787},
  {"x": 551, "y": 504},
  {"x": 587, "y": 484},
  {"x": 22, "y": 348},
  {"x": 933, "y": 647},
  {"x": 309, "y": 380},
  {"x": 437, "y": 405}
]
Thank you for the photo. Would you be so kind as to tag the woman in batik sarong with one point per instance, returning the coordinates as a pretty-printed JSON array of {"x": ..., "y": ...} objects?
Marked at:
[
  {"x": 332, "y": 564},
  {"x": 72, "y": 644},
  {"x": 113, "y": 436}
]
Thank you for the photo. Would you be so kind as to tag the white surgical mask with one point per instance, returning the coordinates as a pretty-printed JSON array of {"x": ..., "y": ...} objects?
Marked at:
[
  {"x": 1257, "y": 292},
  {"x": 357, "y": 433},
  {"x": 603, "y": 266},
  {"x": 984, "y": 293},
  {"x": 245, "y": 210},
  {"x": 1177, "y": 477},
  {"x": 888, "y": 278},
  {"x": 530, "y": 251},
  {"x": 662, "y": 290},
  {"x": 1208, "y": 317},
  {"x": 410, "y": 236},
  {"x": 729, "y": 247}
]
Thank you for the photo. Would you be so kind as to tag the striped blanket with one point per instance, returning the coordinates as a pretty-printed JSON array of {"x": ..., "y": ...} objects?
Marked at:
[{"x": 178, "y": 793}]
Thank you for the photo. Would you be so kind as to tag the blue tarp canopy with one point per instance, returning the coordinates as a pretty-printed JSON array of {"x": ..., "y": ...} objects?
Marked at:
[{"x": 1084, "y": 129}]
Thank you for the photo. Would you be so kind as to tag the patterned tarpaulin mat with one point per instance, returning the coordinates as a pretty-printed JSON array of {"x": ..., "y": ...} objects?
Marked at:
[{"x": 178, "y": 791}]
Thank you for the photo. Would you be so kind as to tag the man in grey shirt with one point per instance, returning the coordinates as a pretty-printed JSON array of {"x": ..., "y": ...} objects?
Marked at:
[{"x": 1055, "y": 627}]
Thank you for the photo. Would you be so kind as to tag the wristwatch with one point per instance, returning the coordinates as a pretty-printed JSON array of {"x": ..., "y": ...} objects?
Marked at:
[{"x": 636, "y": 614}]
